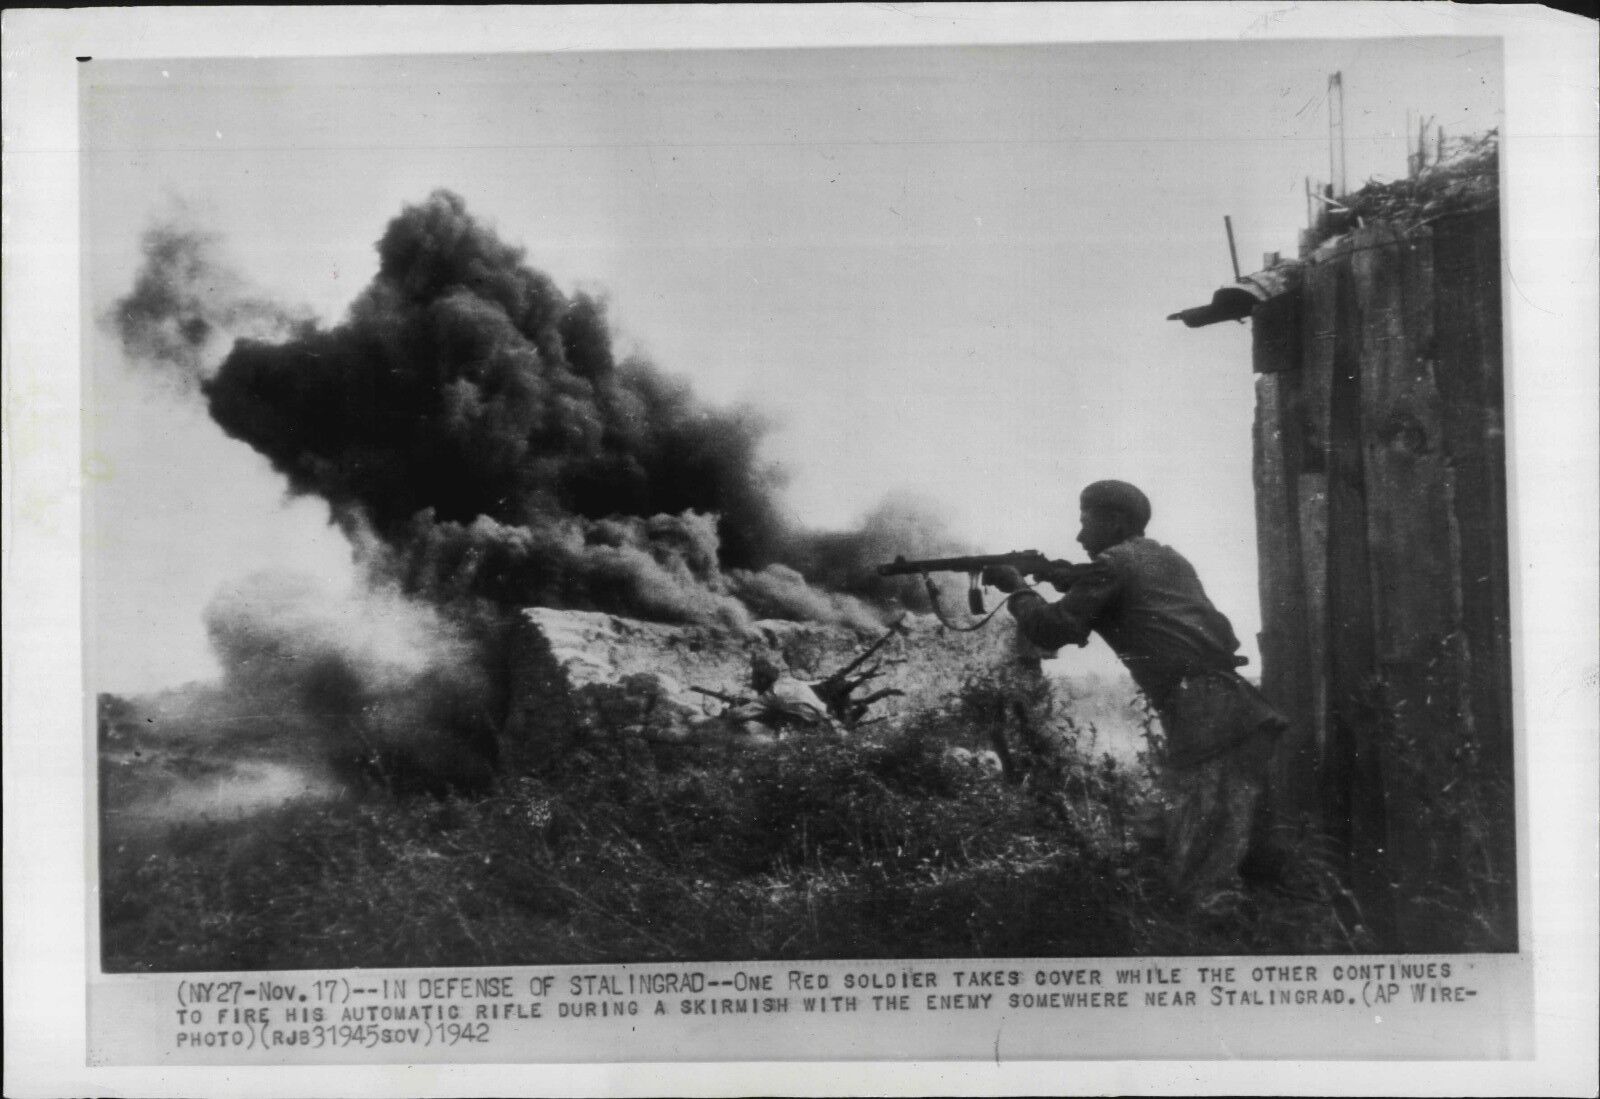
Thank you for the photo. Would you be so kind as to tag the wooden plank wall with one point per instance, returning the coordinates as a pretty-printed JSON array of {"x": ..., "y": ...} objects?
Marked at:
[{"x": 1381, "y": 526}]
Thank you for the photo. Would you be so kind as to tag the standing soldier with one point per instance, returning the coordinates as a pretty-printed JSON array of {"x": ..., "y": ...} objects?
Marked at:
[{"x": 1145, "y": 600}]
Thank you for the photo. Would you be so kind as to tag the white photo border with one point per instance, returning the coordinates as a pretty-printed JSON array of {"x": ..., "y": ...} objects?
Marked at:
[{"x": 1550, "y": 151}]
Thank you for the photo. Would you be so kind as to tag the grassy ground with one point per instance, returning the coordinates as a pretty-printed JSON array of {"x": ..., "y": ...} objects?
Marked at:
[{"x": 816, "y": 849}]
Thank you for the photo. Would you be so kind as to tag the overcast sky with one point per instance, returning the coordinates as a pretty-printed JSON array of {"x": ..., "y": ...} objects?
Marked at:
[{"x": 943, "y": 270}]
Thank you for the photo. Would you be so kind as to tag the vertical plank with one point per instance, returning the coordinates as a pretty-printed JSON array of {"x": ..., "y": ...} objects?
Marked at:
[
  {"x": 1471, "y": 381},
  {"x": 1494, "y": 531},
  {"x": 1321, "y": 335},
  {"x": 1471, "y": 385},
  {"x": 1352, "y": 780},
  {"x": 1288, "y": 669},
  {"x": 1414, "y": 548},
  {"x": 1313, "y": 500},
  {"x": 1410, "y": 482},
  {"x": 1284, "y": 678}
]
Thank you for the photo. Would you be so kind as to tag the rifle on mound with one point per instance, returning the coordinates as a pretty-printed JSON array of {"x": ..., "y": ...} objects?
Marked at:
[
  {"x": 723, "y": 697},
  {"x": 837, "y": 692}
]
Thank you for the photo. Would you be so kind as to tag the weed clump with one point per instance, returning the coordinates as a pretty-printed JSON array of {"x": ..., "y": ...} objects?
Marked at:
[{"x": 820, "y": 847}]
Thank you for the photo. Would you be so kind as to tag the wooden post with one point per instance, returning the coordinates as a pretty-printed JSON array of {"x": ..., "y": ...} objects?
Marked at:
[
  {"x": 1416, "y": 583},
  {"x": 1355, "y": 801},
  {"x": 1321, "y": 339},
  {"x": 1471, "y": 384},
  {"x": 1336, "y": 144},
  {"x": 1286, "y": 670}
]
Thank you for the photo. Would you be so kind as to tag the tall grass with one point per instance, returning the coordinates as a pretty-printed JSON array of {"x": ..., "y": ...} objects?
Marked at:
[{"x": 818, "y": 848}]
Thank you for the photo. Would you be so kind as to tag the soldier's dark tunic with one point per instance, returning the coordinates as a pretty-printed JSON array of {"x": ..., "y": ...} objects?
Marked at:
[{"x": 1147, "y": 603}]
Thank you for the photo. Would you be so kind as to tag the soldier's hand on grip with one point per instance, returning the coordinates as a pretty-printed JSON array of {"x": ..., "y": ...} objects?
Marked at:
[
  {"x": 1061, "y": 576},
  {"x": 1003, "y": 578}
]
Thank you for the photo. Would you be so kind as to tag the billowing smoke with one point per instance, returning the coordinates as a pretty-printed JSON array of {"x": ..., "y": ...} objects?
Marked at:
[
  {"x": 665, "y": 568},
  {"x": 480, "y": 422},
  {"x": 186, "y": 308},
  {"x": 484, "y": 447},
  {"x": 903, "y": 524},
  {"x": 378, "y": 680},
  {"x": 466, "y": 383}
]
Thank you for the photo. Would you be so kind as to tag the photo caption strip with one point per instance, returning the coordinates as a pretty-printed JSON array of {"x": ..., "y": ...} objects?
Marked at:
[{"x": 1371, "y": 1007}]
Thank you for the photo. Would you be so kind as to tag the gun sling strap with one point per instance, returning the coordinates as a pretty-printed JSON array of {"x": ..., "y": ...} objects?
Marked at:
[{"x": 938, "y": 610}]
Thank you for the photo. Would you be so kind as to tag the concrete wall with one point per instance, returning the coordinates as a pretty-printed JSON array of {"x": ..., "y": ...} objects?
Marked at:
[{"x": 577, "y": 674}]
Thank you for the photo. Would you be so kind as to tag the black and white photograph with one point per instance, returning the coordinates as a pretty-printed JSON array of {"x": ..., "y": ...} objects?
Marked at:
[
  {"x": 800, "y": 537},
  {"x": 497, "y": 463}
]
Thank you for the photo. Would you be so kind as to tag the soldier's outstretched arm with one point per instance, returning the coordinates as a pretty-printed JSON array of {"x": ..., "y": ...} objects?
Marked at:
[{"x": 1069, "y": 620}]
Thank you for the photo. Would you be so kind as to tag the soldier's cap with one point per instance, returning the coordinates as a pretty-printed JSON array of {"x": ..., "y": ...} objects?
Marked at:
[{"x": 1117, "y": 496}]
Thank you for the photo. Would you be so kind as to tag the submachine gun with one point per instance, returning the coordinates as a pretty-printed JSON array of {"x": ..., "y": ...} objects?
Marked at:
[{"x": 1059, "y": 574}]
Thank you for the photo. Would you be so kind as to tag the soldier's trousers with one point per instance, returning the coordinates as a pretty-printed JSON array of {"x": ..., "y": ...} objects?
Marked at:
[{"x": 1210, "y": 815}]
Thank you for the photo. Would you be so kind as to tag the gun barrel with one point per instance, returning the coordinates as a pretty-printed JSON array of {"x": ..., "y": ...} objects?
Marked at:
[{"x": 1023, "y": 560}]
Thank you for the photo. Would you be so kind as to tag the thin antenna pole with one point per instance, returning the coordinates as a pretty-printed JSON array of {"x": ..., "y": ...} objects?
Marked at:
[
  {"x": 1227, "y": 223},
  {"x": 1344, "y": 183},
  {"x": 1336, "y": 172}
]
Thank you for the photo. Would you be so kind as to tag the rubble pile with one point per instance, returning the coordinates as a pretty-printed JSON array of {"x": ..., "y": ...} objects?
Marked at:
[
  {"x": 1465, "y": 179},
  {"x": 583, "y": 674}
]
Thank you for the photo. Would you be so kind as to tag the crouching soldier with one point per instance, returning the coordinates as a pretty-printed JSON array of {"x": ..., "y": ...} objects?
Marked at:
[
  {"x": 1147, "y": 603},
  {"x": 782, "y": 705}
]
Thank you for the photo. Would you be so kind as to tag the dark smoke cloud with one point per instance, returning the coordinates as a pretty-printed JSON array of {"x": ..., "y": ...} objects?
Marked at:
[
  {"x": 666, "y": 568},
  {"x": 483, "y": 447},
  {"x": 186, "y": 307},
  {"x": 466, "y": 382},
  {"x": 480, "y": 423}
]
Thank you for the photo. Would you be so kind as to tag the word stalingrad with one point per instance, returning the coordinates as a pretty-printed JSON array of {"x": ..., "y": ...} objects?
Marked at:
[{"x": 663, "y": 984}]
